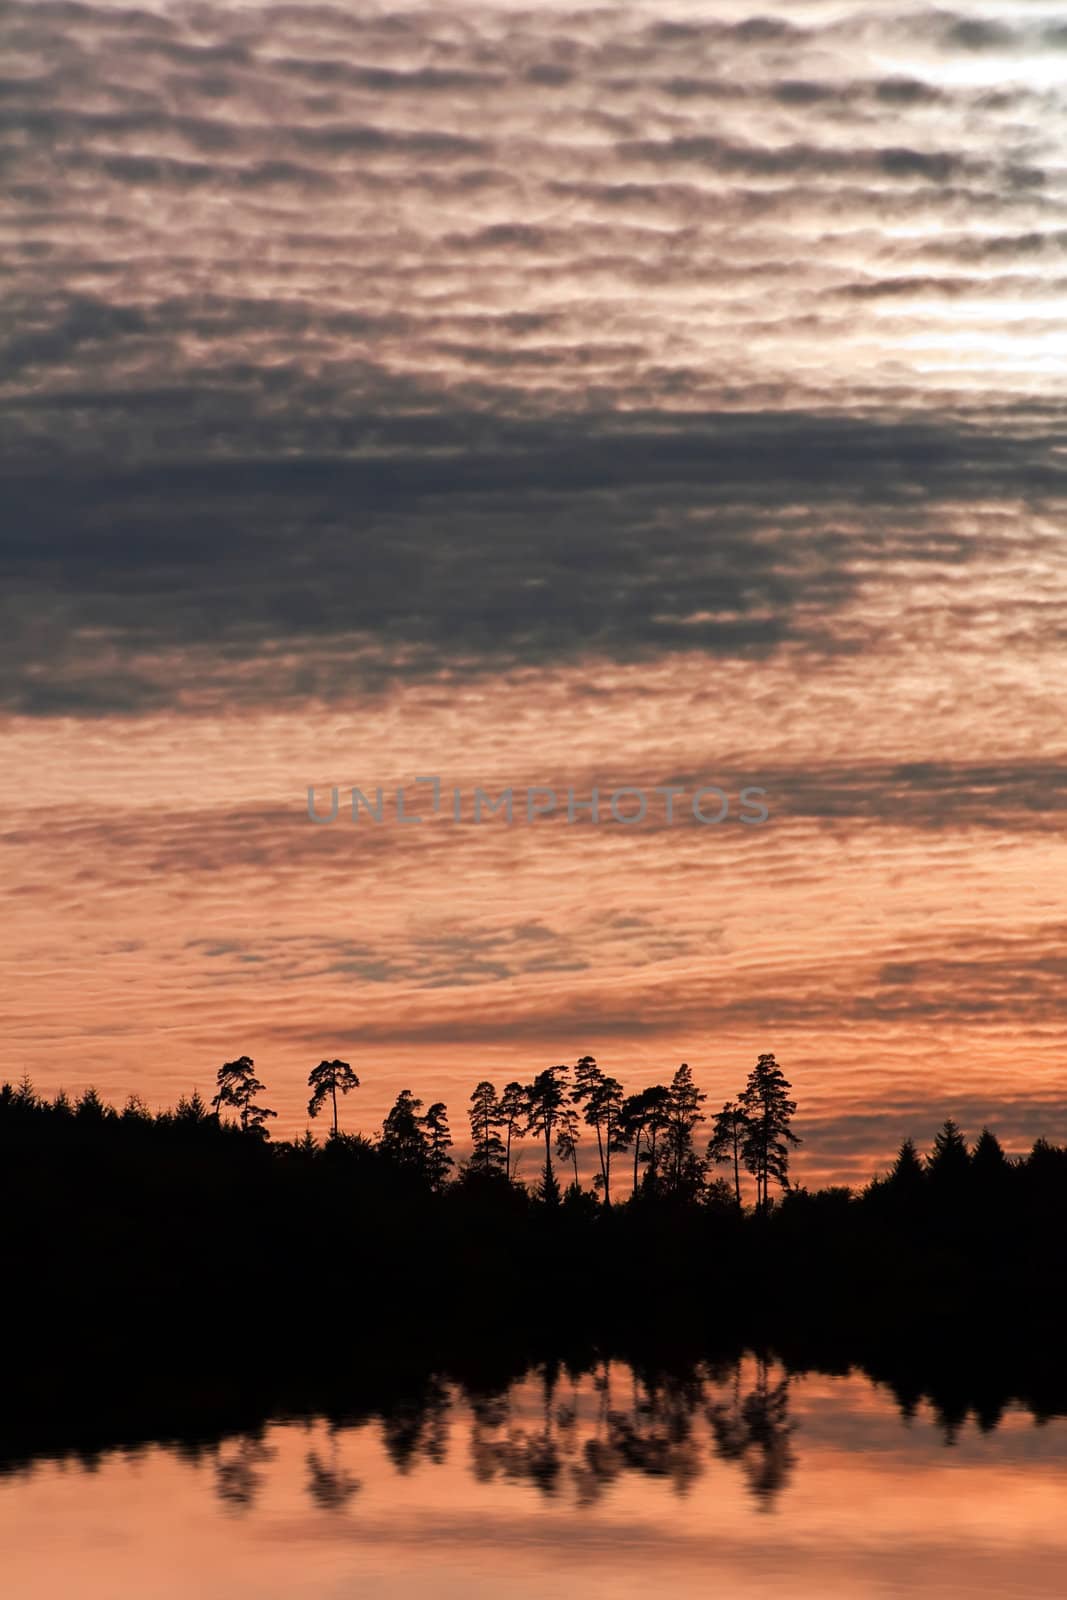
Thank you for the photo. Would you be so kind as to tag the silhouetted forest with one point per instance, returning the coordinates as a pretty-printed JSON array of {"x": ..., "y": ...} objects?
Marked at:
[
  {"x": 132, "y": 1230},
  {"x": 180, "y": 1274}
]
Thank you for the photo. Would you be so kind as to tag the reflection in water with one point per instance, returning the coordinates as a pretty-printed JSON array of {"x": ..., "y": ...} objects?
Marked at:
[
  {"x": 418, "y": 1426},
  {"x": 238, "y": 1471},
  {"x": 564, "y": 1432},
  {"x": 571, "y": 1432},
  {"x": 619, "y": 1478},
  {"x": 575, "y": 1430},
  {"x": 755, "y": 1430},
  {"x": 330, "y": 1485},
  {"x": 645, "y": 1426}
]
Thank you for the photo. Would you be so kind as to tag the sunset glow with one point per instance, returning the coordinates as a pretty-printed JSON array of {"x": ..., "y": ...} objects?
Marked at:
[{"x": 539, "y": 395}]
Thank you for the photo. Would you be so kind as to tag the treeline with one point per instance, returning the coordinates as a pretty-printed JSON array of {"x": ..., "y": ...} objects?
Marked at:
[
  {"x": 656, "y": 1128},
  {"x": 145, "y": 1229},
  {"x": 644, "y": 1144}
]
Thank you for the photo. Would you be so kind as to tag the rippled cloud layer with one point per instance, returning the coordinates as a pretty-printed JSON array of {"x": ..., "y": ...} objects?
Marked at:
[{"x": 549, "y": 394}]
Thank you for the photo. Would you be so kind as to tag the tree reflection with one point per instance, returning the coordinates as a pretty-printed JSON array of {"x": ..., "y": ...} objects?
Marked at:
[
  {"x": 755, "y": 1430},
  {"x": 238, "y": 1475},
  {"x": 588, "y": 1440},
  {"x": 503, "y": 1446},
  {"x": 567, "y": 1429},
  {"x": 574, "y": 1432},
  {"x": 329, "y": 1485},
  {"x": 417, "y": 1425}
]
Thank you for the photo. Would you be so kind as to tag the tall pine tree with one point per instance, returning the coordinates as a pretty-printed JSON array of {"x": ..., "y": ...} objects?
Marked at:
[{"x": 768, "y": 1135}]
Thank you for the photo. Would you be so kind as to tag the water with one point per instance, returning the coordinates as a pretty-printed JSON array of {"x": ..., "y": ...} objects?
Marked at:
[{"x": 733, "y": 1481}]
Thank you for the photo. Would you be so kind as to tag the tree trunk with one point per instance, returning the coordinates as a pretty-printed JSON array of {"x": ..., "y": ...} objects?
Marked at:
[
  {"x": 737, "y": 1169},
  {"x": 637, "y": 1152},
  {"x": 333, "y": 1089}
]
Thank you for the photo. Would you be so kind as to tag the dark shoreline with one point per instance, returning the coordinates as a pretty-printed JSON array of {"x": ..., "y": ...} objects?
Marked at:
[
  {"x": 84, "y": 1394},
  {"x": 171, "y": 1274}
]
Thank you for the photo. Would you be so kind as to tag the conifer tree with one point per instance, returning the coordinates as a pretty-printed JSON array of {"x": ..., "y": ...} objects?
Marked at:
[
  {"x": 949, "y": 1161},
  {"x": 643, "y": 1118},
  {"x": 684, "y": 1170},
  {"x": 768, "y": 1134},
  {"x": 402, "y": 1141},
  {"x": 727, "y": 1141},
  {"x": 191, "y": 1108},
  {"x": 328, "y": 1078},
  {"x": 907, "y": 1174},
  {"x": 438, "y": 1141},
  {"x": 988, "y": 1161},
  {"x": 238, "y": 1086},
  {"x": 567, "y": 1139},
  {"x": 486, "y": 1119},
  {"x": 545, "y": 1098},
  {"x": 514, "y": 1110},
  {"x": 601, "y": 1098}
]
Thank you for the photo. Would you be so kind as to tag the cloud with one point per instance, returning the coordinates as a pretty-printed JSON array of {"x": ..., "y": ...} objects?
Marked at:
[
  {"x": 350, "y": 348},
  {"x": 381, "y": 345},
  {"x": 622, "y": 390},
  {"x": 618, "y": 539}
]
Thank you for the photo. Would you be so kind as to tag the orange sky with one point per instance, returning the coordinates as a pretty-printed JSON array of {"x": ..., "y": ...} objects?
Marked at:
[
  {"x": 533, "y": 396},
  {"x": 898, "y": 949}
]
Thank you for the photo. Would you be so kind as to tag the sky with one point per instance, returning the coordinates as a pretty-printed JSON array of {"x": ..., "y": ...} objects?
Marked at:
[{"x": 627, "y": 395}]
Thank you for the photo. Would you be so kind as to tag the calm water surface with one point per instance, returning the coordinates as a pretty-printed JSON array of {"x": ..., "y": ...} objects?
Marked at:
[{"x": 729, "y": 1481}]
